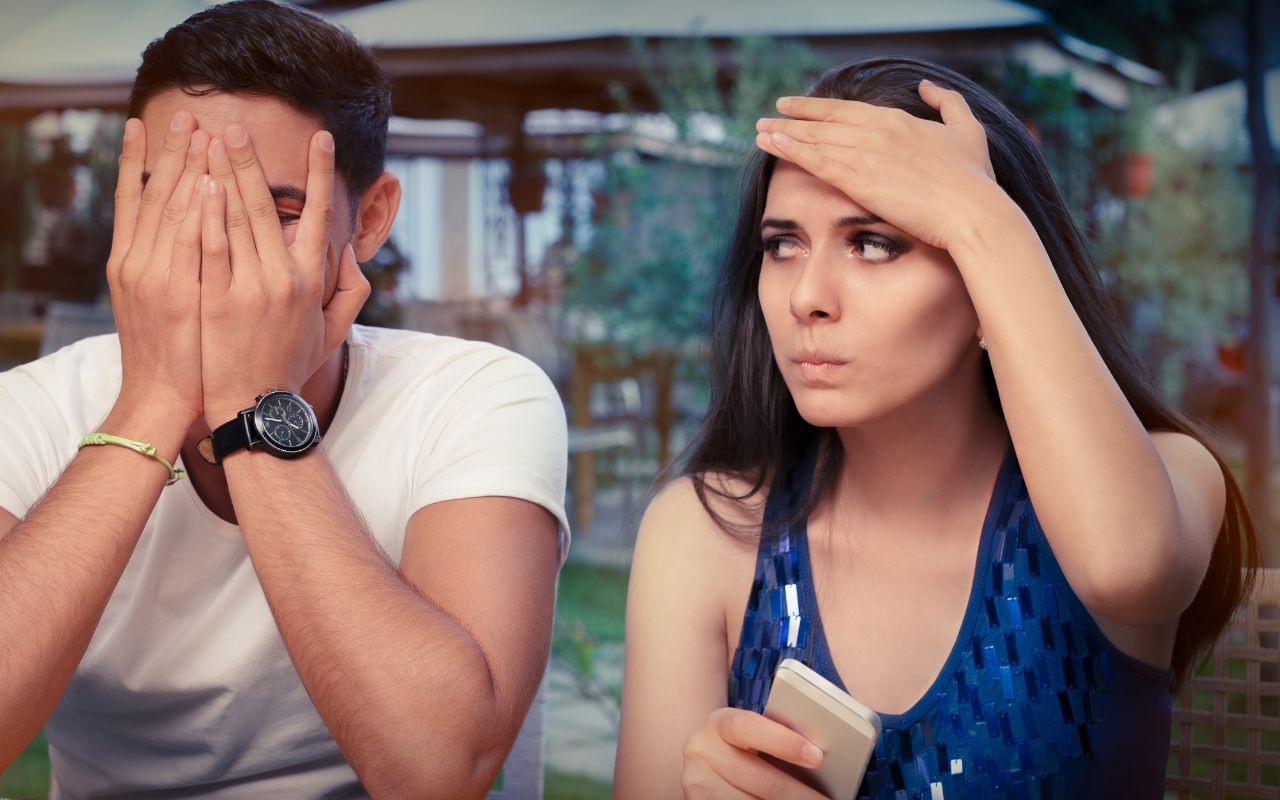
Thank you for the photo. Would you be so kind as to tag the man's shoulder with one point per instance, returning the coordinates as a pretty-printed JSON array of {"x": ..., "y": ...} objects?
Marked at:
[
  {"x": 418, "y": 357},
  {"x": 86, "y": 369}
]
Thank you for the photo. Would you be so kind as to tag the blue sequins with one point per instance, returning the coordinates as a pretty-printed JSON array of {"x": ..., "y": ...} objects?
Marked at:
[{"x": 1018, "y": 708}]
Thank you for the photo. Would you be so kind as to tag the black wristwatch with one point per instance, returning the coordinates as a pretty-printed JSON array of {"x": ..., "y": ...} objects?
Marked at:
[{"x": 281, "y": 423}]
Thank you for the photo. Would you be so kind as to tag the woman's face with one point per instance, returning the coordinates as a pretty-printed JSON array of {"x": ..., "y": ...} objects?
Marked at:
[{"x": 864, "y": 319}]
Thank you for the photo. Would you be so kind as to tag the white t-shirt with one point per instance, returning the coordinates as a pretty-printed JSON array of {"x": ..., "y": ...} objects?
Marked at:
[{"x": 186, "y": 685}]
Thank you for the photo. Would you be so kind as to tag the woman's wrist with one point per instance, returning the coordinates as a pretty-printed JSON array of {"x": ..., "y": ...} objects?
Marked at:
[{"x": 993, "y": 226}]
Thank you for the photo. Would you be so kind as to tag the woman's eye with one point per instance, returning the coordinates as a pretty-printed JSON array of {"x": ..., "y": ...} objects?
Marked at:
[
  {"x": 876, "y": 249},
  {"x": 781, "y": 247},
  {"x": 288, "y": 219}
]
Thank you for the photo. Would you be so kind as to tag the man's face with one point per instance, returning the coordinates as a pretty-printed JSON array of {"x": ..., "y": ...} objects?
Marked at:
[{"x": 280, "y": 137}]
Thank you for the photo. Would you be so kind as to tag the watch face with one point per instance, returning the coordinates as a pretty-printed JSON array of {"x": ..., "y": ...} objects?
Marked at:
[{"x": 285, "y": 422}]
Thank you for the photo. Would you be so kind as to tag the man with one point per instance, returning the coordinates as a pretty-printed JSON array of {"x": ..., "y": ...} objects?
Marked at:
[{"x": 370, "y": 616}]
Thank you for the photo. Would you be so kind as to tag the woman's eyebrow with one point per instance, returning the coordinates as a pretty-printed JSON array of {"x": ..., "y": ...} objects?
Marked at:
[
  {"x": 781, "y": 224},
  {"x": 861, "y": 219}
]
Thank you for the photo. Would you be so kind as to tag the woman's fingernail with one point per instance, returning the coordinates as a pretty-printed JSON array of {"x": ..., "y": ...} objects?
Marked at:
[
  {"x": 784, "y": 103},
  {"x": 326, "y": 141},
  {"x": 131, "y": 126},
  {"x": 236, "y": 136},
  {"x": 200, "y": 184},
  {"x": 811, "y": 755},
  {"x": 179, "y": 119},
  {"x": 217, "y": 149},
  {"x": 195, "y": 146}
]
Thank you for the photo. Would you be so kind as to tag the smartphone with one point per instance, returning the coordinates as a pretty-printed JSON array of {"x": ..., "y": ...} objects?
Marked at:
[{"x": 841, "y": 727}]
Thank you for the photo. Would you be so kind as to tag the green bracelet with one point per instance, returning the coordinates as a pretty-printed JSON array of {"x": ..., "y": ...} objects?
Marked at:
[{"x": 175, "y": 473}]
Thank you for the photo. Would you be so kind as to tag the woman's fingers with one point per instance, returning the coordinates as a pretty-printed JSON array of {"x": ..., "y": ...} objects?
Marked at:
[
  {"x": 822, "y": 109},
  {"x": 811, "y": 132},
  {"x": 833, "y": 164},
  {"x": 746, "y": 730},
  {"x": 128, "y": 197}
]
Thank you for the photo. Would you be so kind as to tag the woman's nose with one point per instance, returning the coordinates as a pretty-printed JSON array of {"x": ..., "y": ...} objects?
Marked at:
[{"x": 814, "y": 295}]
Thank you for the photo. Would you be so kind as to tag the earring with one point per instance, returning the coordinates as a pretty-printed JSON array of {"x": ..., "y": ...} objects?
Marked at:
[{"x": 982, "y": 342}]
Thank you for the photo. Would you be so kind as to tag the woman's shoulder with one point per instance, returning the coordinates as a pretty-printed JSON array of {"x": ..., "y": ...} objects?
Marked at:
[{"x": 711, "y": 511}]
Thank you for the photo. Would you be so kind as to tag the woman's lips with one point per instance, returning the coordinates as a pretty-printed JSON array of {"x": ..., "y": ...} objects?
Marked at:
[{"x": 817, "y": 370}]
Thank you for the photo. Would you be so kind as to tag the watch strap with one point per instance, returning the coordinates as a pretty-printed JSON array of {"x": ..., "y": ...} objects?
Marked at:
[{"x": 235, "y": 435}]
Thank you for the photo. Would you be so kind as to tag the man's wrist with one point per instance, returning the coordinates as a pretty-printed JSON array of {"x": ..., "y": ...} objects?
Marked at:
[{"x": 150, "y": 420}]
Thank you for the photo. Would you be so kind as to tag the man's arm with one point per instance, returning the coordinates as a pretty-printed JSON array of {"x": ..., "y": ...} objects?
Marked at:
[
  {"x": 423, "y": 674},
  {"x": 59, "y": 565}
]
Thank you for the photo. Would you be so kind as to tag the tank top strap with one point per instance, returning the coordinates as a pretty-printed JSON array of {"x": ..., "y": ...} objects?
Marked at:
[{"x": 778, "y": 622}]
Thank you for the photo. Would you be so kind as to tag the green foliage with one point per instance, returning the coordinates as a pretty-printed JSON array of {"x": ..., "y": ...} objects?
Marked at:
[
  {"x": 591, "y": 609},
  {"x": 661, "y": 222},
  {"x": 1176, "y": 258},
  {"x": 28, "y": 775}
]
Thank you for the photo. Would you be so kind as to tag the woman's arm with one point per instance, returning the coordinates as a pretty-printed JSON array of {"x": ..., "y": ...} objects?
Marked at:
[{"x": 677, "y": 737}]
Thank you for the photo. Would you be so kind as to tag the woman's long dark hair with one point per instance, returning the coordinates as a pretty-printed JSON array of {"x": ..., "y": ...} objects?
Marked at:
[{"x": 753, "y": 432}]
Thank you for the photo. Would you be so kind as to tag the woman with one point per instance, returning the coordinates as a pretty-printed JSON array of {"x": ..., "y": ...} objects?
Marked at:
[{"x": 931, "y": 471}]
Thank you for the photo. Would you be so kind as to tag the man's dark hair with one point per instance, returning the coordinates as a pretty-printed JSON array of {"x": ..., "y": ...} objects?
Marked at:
[{"x": 264, "y": 48}]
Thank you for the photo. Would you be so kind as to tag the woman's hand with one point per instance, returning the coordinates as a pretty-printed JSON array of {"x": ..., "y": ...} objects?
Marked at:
[
  {"x": 722, "y": 759},
  {"x": 926, "y": 178}
]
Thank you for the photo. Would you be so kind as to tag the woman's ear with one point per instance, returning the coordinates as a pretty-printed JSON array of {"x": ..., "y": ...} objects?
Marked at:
[{"x": 377, "y": 210}]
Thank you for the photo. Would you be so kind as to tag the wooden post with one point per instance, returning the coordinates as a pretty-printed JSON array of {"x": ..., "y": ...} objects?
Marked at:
[{"x": 1262, "y": 288}]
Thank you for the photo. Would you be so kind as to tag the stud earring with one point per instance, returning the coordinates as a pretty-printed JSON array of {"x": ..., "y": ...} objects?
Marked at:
[{"x": 982, "y": 342}]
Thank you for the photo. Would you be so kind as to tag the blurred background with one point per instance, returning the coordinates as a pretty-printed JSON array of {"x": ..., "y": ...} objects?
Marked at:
[{"x": 570, "y": 168}]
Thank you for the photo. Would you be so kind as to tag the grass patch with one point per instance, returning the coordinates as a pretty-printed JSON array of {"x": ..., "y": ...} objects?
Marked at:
[
  {"x": 596, "y": 597},
  {"x": 28, "y": 776},
  {"x": 566, "y": 786}
]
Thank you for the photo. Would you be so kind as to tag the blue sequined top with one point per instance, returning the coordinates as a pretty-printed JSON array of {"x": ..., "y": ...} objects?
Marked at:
[{"x": 1033, "y": 702}]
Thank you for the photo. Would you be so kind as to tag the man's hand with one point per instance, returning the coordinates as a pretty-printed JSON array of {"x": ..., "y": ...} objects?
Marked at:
[
  {"x": 264, "y": 323},
  {"x": 154, "y": 268}
]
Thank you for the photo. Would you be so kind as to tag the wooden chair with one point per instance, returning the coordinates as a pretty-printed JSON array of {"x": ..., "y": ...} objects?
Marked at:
[{"x": 1226, "y": 720}]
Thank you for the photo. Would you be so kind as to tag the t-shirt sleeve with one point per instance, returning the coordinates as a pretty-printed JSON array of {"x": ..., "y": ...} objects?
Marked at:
[
  {"x": 32, "y": 438},
  {"x": 500, "y": 433}
]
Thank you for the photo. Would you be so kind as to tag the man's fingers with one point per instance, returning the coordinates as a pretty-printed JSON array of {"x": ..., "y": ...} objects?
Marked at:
[
  {"x": 185, "y": 264},
  {"x": 133, "y": 152},
  {"x": 348, "y": 298},
  {"x": 160, "y": 186},
  {"x": 184, "y": 194},
  {"x": 317, "y": 214},
  {"x": 239, "y": 237},
  {"x": 215, "y": 254},
  {"x": 255, "y": 193}
]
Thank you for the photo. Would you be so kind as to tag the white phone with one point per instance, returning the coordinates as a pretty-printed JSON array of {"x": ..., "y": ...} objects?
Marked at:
[{"x": 841, "y": 727}]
